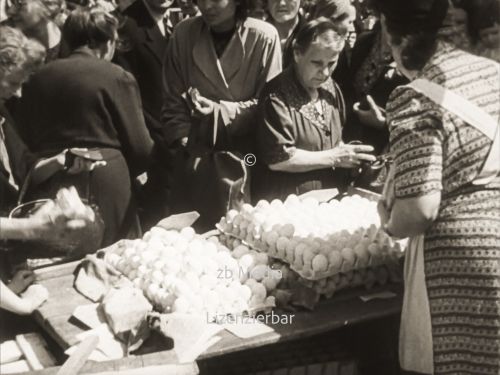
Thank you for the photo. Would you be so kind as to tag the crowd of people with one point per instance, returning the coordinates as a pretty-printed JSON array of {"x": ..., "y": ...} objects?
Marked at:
[{"x": 151, "y": 107}]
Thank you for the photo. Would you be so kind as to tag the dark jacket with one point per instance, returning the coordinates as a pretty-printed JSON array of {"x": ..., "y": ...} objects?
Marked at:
[
  {"x": 145, "y": 47},
  {"x": 82, "y": 101},
  {"x": 21, "y": 162}
]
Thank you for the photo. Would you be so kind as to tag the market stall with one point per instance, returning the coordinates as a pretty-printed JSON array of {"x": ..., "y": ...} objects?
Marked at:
[{"x": 264, "y": 277}]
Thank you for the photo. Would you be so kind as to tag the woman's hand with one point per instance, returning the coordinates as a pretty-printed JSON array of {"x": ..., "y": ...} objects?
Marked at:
[
  {"x": 201, "y": 105},
  {"x": 21, "y": 280},
  {"x": 373, "y": 117},
  {"x": 204, "y": 106},
  {"x": 35, "y": 295},
  {"x": 351, "y": 156},
  {"x": 79, "y": 164}
]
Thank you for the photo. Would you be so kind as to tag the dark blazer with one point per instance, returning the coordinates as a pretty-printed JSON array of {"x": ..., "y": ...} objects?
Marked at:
[
  {"x": 145, "y": 46},
  {"x": 82, "y": 101}
]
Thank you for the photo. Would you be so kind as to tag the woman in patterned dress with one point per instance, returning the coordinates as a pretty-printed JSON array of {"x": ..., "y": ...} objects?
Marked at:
[{"x": 442, "y": 191}]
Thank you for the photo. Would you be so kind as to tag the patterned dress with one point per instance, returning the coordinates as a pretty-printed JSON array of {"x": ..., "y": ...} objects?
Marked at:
[{"x": 435, "y": 151}]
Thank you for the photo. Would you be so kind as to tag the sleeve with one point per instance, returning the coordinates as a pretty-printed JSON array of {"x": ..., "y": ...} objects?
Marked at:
[
  {"x": 175, "y": 117},
  {"x": 21, "y": 159},
  {"x": 238, "y": 115},
  {"x": 275, "y": 135},
  {"x": 129, "y": 123},
  {"x": 416, "y": 144}
]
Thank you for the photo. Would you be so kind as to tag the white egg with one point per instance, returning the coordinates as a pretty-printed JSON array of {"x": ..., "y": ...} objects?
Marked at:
[
  {"x": 181, "y": 305},
  {"x": 188, "y": 233}
]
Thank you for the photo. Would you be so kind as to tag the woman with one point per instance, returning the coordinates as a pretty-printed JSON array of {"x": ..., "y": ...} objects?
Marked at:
[
  {"x": 445, "y": 194},
  {"x": 227, "y": 58},
  {"x": 300, "y": 132},
  {"x": 18, "y": 57},
  {"x": 285, "y": 16},
  {"x": 215, "y": 67},
  {"x": 36, "y": 19},
  {"x": 341, "y": 12},
  {"x": 86, "y": 101}
]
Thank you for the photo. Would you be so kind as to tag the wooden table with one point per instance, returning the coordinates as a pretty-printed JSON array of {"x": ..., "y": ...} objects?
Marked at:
[{"x": 343, "y": 310}]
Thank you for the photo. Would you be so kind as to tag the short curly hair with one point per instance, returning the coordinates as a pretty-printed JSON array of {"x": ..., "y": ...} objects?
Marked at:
[{"x": 18, "y": 51}]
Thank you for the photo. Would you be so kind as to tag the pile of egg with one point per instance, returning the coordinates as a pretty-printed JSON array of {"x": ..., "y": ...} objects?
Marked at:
[
  {"x": 184, "y": 272},
  {"x": 316, "y": 239}
]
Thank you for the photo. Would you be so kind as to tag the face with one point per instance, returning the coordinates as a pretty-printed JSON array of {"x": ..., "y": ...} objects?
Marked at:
[
  {"x": 11, "y": 83},
  {"x": 316, "y": 64},
  {"x": 218, "y": 14},
  {"x": 159, "y": 6},
  {"x": 348, "y": 22},
  {"x": 187, "y": 6},
  {"x": 283, "y": 10}
]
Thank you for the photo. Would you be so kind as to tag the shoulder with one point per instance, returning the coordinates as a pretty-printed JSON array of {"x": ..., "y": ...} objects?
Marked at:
[
  {"x": 187, "y": 26},
  {"x": 455, "y": 68},
  {"x": 260, "y": 28},
  {"x": 278, "y": 86}
]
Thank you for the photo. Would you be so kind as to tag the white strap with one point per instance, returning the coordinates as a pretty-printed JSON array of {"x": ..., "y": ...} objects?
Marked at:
[{"x": 472, "y": 115}]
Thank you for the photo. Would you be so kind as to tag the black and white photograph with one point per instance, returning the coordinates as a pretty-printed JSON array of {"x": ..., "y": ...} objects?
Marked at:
[{"x": 250, "y": 187}]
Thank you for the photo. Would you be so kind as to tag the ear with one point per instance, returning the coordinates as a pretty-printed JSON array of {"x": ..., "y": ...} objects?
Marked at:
[{"x": 296, "y": 53}]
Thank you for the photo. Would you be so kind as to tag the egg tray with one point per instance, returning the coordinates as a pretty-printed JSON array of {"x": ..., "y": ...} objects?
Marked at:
[
  {"x": 263, "y": 308},
  {"x": 391, "y": 258},
  {"x": 382, "y": 275}
]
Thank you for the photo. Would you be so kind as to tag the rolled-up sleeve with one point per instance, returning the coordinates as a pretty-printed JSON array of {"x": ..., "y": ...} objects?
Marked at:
[{"x": 276, "y": 131}]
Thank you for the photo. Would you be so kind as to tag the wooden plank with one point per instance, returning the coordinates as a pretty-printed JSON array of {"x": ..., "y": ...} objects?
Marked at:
[
  {"x": 166, "y": 361},
  {"x": 9, "y": 352},
  {"x": 76, "y": 360},
  {"x": 52, "y": 272},
  {"x": 35, "y": 351},
  {"x": 14, "y": 367}
]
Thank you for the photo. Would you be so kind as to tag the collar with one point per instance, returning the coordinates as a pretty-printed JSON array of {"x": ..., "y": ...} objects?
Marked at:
[
  {"x": 83, "y": 51},
  {"x": 224, "y": 68}
]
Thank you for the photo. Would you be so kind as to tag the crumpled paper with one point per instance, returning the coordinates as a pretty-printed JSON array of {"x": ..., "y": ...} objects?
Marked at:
[
  {"x": 192, "y": 334},
  {"x": 94, "y": 277}
]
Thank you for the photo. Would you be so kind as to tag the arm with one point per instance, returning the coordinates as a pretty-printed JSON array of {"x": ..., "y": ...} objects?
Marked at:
[
  {"x": 238, "y": 115},
  {"x": 128, "y": 118},
  {"x": 34, "y": 296},
  {"x": 305, "y": 161},
  {"x": 176, "y": 115},
  {"x": 344, "y": 156},
  {"x": 416, "y": 144},
  {"x": 277, "y": 141},
  {"x": 413, "y": 216},
  {"x": 19, "y": 229}
]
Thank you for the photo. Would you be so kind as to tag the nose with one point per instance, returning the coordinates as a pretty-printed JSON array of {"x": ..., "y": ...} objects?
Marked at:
[{"x": 325, "y": 72}]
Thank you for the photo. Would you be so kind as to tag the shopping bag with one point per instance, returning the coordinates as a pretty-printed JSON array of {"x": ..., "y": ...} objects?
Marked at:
[{"x": 209, "y": 177}]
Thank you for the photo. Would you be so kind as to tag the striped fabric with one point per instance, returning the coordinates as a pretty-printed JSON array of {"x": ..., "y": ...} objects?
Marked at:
[{"x": 436, "y": 151}]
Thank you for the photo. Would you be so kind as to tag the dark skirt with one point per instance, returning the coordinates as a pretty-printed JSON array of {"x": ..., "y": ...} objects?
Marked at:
[{"x": 109, "y": 188}]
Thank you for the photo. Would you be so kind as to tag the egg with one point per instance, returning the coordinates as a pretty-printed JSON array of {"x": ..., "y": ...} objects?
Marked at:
[
  {"x": 181, "y": 305},
  {"x": 319, "y": 263}
]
